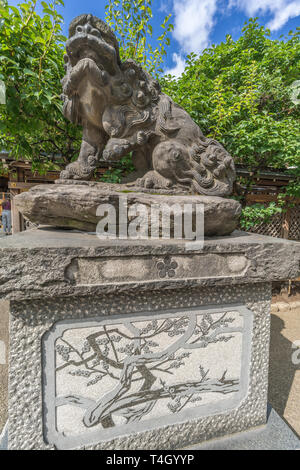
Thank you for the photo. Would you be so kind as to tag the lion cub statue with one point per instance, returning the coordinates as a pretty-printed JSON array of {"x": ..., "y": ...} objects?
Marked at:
[{"x": 122, "y": 109}]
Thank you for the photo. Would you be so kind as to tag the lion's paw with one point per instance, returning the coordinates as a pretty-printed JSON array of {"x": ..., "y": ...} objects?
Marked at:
[
  {"x": 154, "y": 180},
  {"x": 115, "y": 149},
  {"x": 78, "y": 171}
]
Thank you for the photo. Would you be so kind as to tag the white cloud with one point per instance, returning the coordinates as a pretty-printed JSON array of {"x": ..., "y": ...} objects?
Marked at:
[
  {"x": 193, "y": 23},
  {"x": 179, "y": 66},
  {"x": 281, "y": 10},
  {"x": 282, "y": 16},
  {"x": 166, "y": 6}
]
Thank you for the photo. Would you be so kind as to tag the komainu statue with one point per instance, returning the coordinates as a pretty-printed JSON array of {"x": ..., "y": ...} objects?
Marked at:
[{"x": 122, "y": 109}]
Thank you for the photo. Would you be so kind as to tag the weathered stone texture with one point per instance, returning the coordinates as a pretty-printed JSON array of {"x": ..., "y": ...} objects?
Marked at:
[
  {"x": 53, "y": 275},
  {"x": 30, "y": 320},
  {"x": 122, "y": 109}
]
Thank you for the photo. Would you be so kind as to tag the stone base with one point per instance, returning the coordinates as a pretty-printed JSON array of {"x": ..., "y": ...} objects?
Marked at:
[
  {"x": 186, "y": 389},
  {"x": 137, "y": 345},
  {"x": 275, "y": 435},
  {"x": 75, "y": 206}
]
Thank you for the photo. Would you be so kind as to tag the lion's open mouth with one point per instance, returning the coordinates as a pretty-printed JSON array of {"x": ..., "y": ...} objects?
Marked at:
[{"x": 87, "y": 46}]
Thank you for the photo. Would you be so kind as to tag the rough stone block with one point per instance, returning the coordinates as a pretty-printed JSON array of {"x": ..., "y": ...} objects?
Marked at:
[
  {"x": 53, "y": 400},
  {"x": 162, "y": 360},
  {"x": 75, "y": 205}
]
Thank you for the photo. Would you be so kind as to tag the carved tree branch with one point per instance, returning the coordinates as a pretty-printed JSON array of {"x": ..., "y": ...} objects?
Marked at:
[
  {"x": 95, "y": 414},
  {"x": 184, "y": 389},
  {"x": 141, "y": 397}
]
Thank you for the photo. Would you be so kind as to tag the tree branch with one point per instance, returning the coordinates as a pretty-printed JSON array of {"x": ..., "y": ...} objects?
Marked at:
[
  {"x": 96, "y": 414},
  {"x": 141, "y": 397}
]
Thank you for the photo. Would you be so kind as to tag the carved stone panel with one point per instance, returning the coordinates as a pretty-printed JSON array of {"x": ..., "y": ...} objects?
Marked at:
[
  {"x": 97, "y": 271},
  {"x": 108, "y": 377}
]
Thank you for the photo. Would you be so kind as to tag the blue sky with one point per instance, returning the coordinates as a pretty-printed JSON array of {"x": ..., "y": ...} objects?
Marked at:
[{"x": 199, "y": 23}]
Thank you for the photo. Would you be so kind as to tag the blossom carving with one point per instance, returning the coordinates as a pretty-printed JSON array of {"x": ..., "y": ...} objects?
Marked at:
[{"x": 167, "y": 267}]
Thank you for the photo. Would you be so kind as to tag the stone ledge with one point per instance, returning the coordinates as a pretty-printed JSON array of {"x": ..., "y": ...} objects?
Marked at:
[{"x": 47, "y": 262}]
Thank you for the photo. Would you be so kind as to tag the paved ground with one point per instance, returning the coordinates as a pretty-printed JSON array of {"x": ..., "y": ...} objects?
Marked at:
[
  {"x": 284, "y": 376},
  {"x": 284, "y": 386}
]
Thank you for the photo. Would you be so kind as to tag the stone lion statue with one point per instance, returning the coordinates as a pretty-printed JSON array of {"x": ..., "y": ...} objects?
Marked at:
[{"x": 122, "y": 109}]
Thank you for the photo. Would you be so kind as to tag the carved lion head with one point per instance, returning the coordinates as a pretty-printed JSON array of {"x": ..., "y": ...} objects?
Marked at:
[{"x": 91, "y": 38}]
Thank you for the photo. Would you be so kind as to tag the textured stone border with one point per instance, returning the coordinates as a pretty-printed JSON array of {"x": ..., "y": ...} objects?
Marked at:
[{"x": 275, "y": 435}]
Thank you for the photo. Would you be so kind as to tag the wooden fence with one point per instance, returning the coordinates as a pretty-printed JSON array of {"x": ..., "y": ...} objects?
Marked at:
[{"x": 284, "y": 225}]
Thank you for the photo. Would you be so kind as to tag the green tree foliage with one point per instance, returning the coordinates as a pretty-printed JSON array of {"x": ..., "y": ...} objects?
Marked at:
[
  {"x": 121, "y": 169},
  {"x": 131, "y": 21},
  {"x": 31, "y": 58},
  {"x": 240, "y": 92},
  {"x": 258, "y": 213},
  {"x": 31, "y": 67}
]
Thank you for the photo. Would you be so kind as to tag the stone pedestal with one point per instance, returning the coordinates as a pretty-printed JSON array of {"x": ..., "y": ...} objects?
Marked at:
[{"x": 138, "y": 345}]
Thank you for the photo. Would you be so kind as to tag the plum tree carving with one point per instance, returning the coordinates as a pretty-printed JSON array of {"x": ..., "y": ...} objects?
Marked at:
[{"x": 141, "y": 368}]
